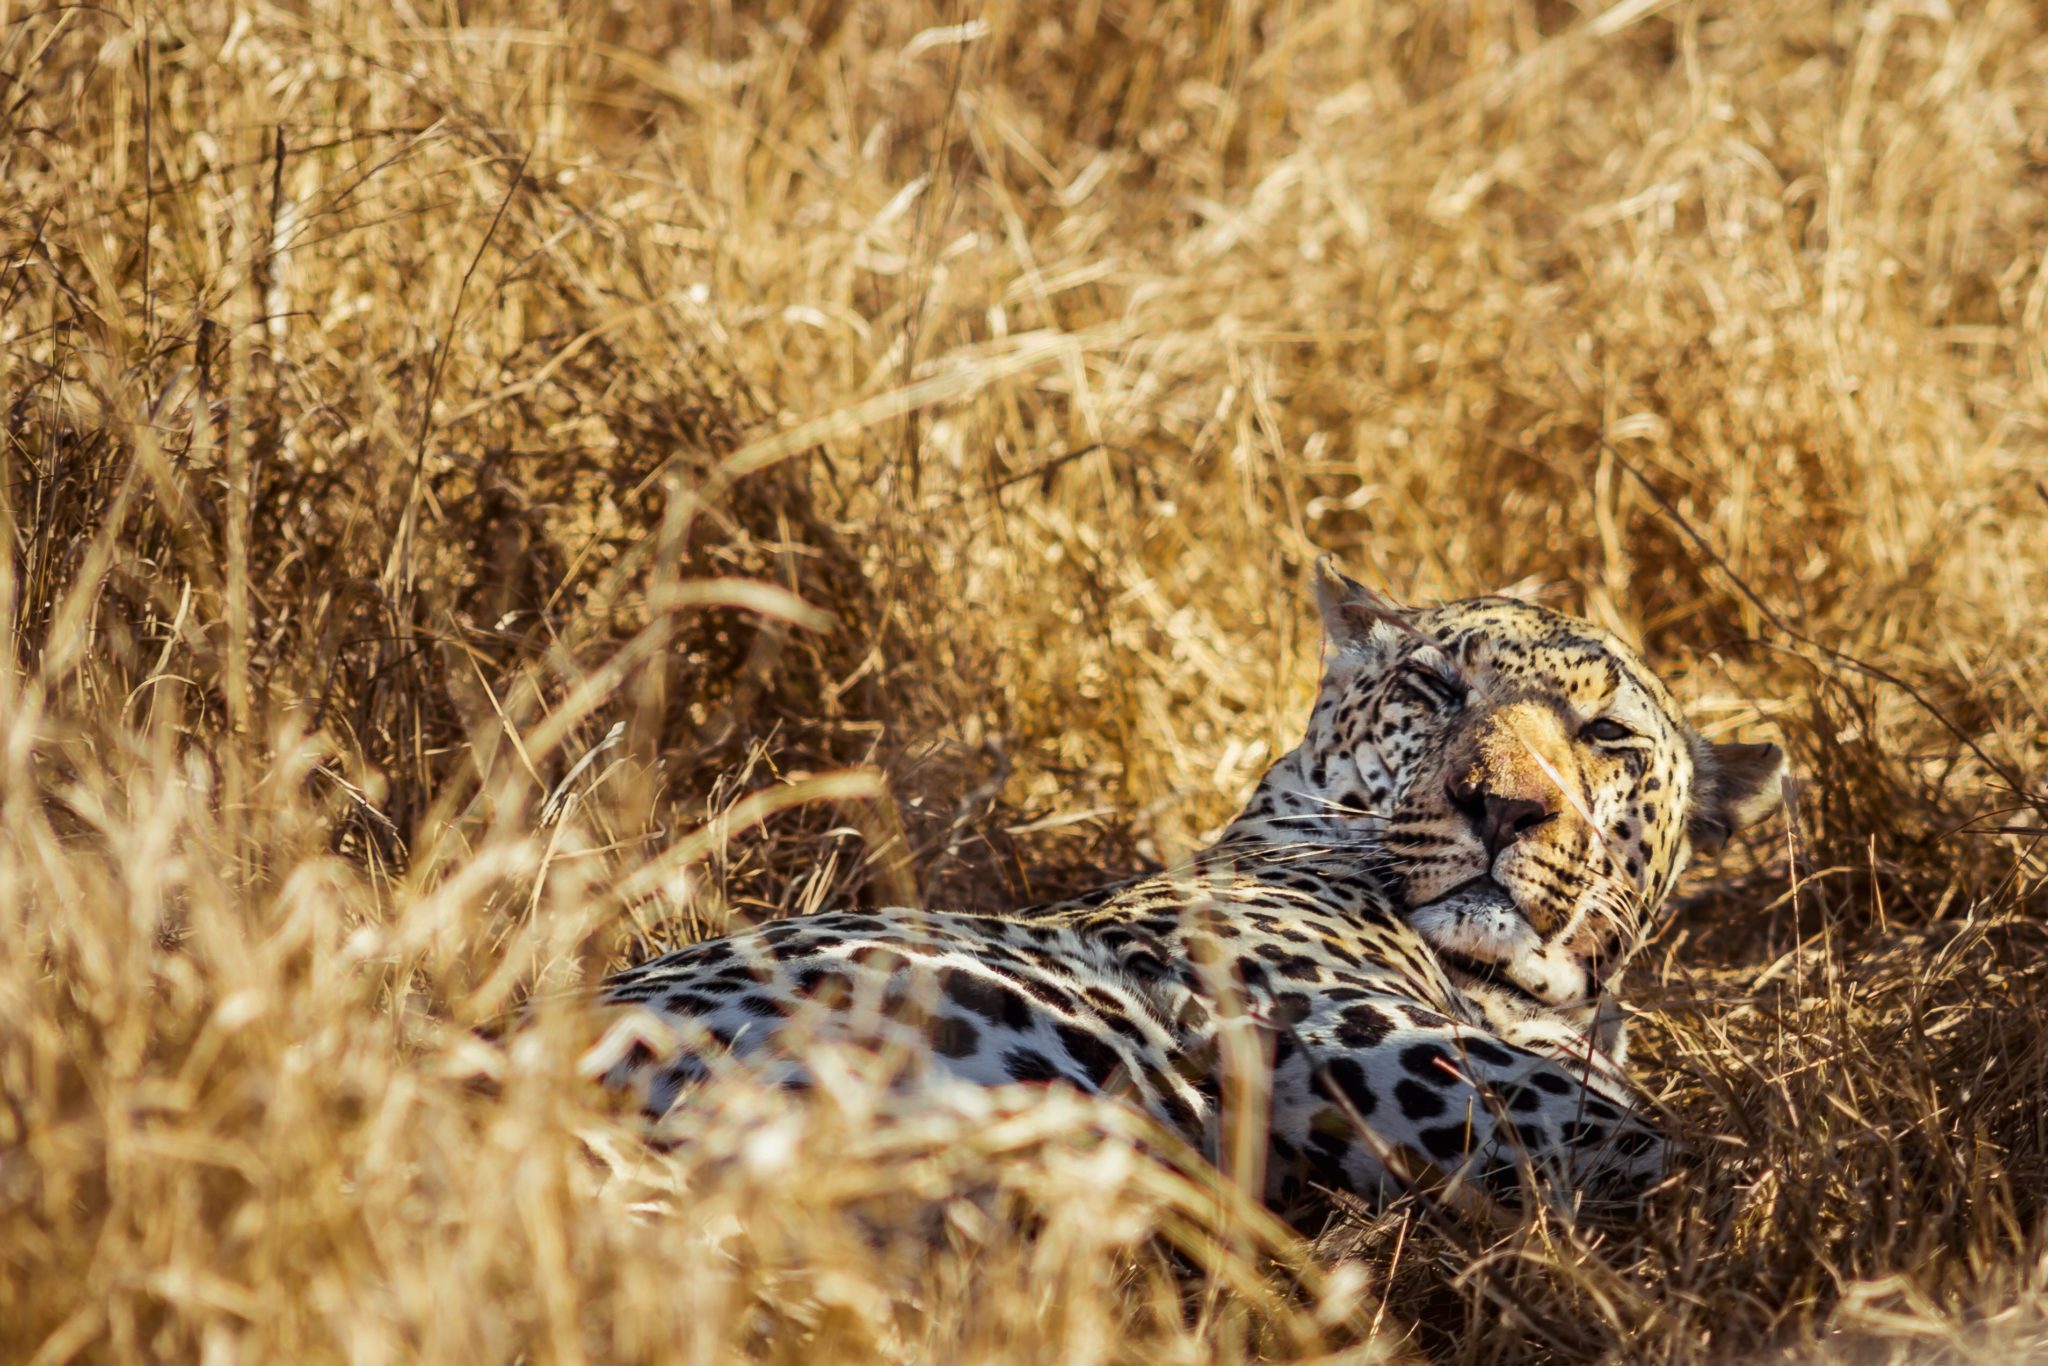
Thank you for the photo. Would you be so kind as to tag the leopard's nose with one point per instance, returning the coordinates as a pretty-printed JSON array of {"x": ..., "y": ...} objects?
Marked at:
[{"x": 1497, "y": 818}]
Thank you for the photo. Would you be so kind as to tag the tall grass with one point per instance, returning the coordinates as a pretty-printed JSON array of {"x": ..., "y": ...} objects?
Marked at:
[{"x": 495, "y": 489}]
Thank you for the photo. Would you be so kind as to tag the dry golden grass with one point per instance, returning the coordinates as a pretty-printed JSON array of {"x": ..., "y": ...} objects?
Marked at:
[{"x": 493, "y": 489}]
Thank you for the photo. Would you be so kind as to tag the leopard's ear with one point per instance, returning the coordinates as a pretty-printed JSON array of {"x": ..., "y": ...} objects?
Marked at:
[
  {"x": 1355, "y": 617},
  {"x": 1733, "y": 787}
]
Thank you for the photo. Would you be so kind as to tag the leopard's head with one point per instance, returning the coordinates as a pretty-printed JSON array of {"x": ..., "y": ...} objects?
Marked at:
[{"x": 1526, "y": 786}]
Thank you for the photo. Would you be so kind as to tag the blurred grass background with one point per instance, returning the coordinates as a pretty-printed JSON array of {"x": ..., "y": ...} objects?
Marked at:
[{"x": 494, "y": 489}]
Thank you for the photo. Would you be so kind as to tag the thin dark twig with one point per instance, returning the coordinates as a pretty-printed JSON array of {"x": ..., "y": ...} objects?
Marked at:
[
  {"x": 148, "y": 187},
  {"x": 2005, "y": 772},
  {"x": 408, "y": 527},
  {"x": 1037, "y": 471},
  {"x": 931, "y": 221}
]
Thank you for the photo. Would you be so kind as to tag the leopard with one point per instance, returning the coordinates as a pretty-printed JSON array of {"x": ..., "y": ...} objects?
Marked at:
[{"x": 1399, "y": 968}]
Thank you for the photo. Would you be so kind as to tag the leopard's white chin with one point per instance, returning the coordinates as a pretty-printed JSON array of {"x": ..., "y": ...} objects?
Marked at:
[{"x": 1479, "y": 921}]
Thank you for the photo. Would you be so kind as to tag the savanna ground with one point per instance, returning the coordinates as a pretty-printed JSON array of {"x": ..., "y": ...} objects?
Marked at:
[{"x": 496, "y": 488}]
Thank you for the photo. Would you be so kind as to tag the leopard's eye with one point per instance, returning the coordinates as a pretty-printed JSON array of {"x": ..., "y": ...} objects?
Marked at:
[
  {"x": 1607, "y": 730},
  {"x": 1432, "y": 687}
]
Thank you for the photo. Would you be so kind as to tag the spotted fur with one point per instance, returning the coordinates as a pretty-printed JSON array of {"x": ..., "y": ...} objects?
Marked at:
[{"x": 1418, "y": 922}]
